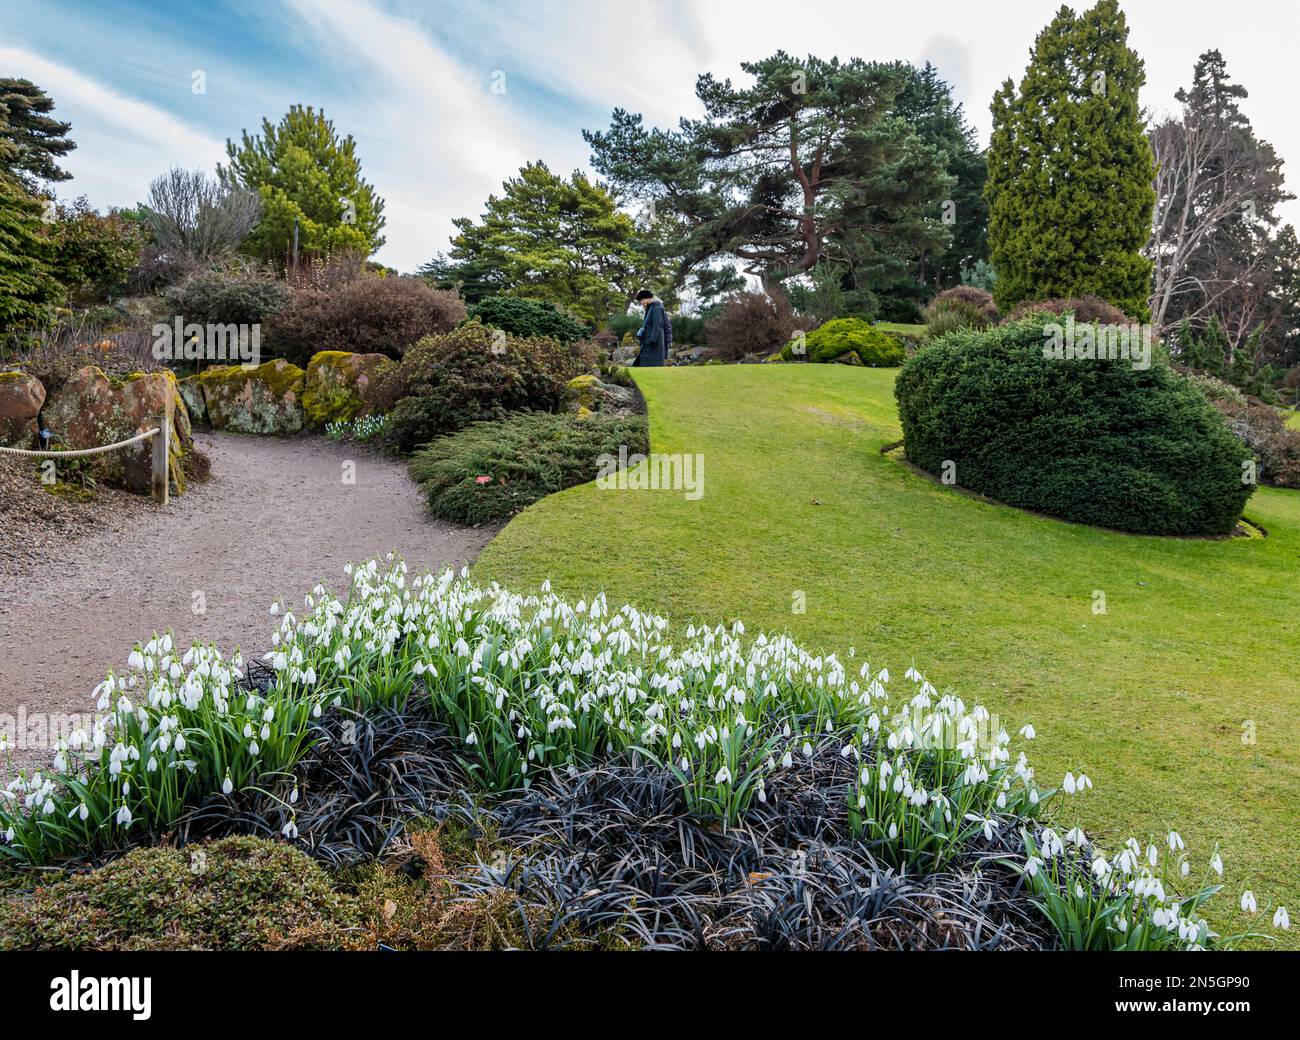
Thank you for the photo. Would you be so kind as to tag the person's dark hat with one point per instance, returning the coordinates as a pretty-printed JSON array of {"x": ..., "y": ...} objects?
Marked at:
[{"x": 645, "y": 294}]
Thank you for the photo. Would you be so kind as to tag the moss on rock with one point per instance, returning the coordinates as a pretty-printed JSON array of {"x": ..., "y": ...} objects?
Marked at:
[
  {"x": 266, "y": 399},
  {"x": 337, "y": 386}
]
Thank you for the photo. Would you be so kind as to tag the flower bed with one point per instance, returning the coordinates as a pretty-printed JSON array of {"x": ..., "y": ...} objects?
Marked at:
[{"x": 532, "y": 689}]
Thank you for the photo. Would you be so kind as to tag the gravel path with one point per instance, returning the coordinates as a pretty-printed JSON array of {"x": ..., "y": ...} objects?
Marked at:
[{"x": 275, "y": 519}]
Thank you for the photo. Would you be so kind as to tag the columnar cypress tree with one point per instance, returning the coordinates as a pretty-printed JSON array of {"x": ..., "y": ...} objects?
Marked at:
[
  {"x": 1070, "y": 168},
  {"x": 26, "y": 286}
]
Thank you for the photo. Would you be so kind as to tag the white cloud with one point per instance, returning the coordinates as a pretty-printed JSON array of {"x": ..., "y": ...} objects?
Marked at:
[{"x": 122, "y": 143}]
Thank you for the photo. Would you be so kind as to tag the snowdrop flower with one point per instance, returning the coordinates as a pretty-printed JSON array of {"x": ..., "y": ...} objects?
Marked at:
[
  {"x": 1248, "y": 904},
  {"x": 124, "y": 816},
  {"x": 1175, "y": 841},
  {"x": 1281, "y": 920},
  {"x": 1027, "y": 731},
  {"x": 1031, "y": 865},
  {"x": 1216, "y": 864},
  {"x": 723, "y": 777},
  {"x": 227, "y": 785},
  {"x": 1069, "y": 784},
  {"x": 275, "y": 609},
  {"x": 290, "y": 830}
]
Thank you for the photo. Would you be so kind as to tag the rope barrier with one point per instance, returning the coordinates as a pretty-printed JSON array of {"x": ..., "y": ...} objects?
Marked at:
[{"x": 78, "y": 453}]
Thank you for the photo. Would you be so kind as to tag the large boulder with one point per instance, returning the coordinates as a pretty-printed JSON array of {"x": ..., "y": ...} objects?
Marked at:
[
  {"x": 265, "y": 399},
  {"x": 92, "y": 409},
  {"x": 587, "y": 395},
  {"x": 21, "y": 398},
  {"x": 338, "y": 386},
  {"x": 195, "y": 403}
]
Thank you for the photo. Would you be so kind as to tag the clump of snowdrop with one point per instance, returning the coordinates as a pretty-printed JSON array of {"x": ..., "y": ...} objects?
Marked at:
[{"x": 531, "y": 683}]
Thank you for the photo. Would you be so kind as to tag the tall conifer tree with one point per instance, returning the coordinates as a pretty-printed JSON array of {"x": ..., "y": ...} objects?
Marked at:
[{"x": 1070, "y": 168}]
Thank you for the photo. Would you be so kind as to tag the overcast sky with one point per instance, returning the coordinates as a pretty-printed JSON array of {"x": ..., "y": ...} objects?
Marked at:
[{"x": 419, "y": 84}]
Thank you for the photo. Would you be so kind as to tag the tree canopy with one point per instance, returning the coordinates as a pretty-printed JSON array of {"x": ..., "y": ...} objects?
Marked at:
[
  {"x": 303, "y": 171},
  {"x": 806, "y": 164},
  {"x": 548, "y": 238},
  {"x": 31, "y": 140},
  {"x": 1071, "y": 170}
]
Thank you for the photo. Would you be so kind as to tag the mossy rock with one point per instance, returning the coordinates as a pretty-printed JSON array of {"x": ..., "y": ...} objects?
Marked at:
[
  {"x": 587, "y": 395},
  {"x": 192, "y": 394},
  {"x": 265, "y": 400},
  {"x": 21, "y": 398},
  {"x": 239, "y": 893},
  {"x": 338, "y": 386},
  {"x": 91, "y": 409}
]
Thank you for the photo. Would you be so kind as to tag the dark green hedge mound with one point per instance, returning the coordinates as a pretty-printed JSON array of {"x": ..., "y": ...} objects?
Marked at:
[
  {"x": 528, "y": 318},
  {"x": 1093, "y": 441},
  {"x": 234, "y": 894},
  {"x": 491, "y": 470}
]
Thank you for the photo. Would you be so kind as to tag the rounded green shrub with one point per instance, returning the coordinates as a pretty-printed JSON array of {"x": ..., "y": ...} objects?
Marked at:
[
  {"x": 526, "y": 318},
  {"x": 238, "y": 893},
  {"x": 471, "y": 374},
  {"x": 1097, "y": 442},
  {"x": 855, "y": 336}
]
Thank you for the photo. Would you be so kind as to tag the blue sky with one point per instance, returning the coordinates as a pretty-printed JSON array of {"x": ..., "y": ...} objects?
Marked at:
[{"x": 413, "y": 82}]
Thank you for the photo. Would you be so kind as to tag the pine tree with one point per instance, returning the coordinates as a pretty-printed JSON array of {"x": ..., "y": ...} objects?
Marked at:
[
  {"x": 32, "y": 140},
  {"x": 26, "y": 286},
  {"x": 1071, "y": 170},
  {"x": 305, "y": 174}
]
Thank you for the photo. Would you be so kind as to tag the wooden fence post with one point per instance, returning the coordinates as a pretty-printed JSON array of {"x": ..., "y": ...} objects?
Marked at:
[{"x": 161, "y": 453}]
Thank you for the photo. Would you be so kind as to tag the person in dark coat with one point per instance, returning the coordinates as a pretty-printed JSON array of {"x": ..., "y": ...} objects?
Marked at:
[{"x": 651, "y": 332}]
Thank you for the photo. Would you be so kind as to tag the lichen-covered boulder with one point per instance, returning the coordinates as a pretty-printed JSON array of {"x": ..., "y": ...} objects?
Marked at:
[
  {"x": 92, "y": 409},
  {"x": 195, "y": 403},
  {"x": 265, "y": 399},
  {"x": 21, "y": 398},
  {"x": 338, "y": 385},
  {"x": 587, "y": 395}
]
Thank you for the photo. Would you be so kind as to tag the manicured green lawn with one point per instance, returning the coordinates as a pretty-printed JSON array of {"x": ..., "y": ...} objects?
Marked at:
[
  {"x": 910, "y": 331},
  {"x": 1156, "y": 699}
]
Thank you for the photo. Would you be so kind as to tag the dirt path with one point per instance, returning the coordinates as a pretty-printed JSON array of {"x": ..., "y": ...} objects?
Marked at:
[{"x": 275, "y": 519}]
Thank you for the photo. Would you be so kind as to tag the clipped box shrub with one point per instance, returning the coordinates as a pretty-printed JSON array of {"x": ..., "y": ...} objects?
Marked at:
[
  {"x": 470, "y": 374},
  {"x": 527, "y": 318},
  {"x": 366, "y": 315},
  {"x": 492, "y": 470},
  {"x": 849, "y": 341},
  {"x": 1092, "y": 441}
]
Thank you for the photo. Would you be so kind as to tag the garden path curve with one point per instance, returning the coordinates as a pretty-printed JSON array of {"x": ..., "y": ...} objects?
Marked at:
[{"x": 275, "y": 518}]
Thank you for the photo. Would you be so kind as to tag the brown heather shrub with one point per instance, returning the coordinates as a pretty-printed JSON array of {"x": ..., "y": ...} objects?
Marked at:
[
  {"x": 1266, "y": 434},
  {"x": 971, "y": 296},
  {"x": 1087, "y": 309},
  {"x": 366, "y": 315},
  {"x": 748, "y": 324}
]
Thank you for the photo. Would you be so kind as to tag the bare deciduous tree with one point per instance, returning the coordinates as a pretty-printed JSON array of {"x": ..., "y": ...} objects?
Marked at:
[
  {"x": 1204, "y": 182},
  {"x": 198, "y": 217}
]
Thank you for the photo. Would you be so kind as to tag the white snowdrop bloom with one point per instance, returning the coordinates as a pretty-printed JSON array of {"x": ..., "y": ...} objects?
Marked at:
[
  {"x": 275, "y": 609},
  {"x": 893, "y": 830},
  {"x": 1069, "y": 784},
  {"x": 1153, "y": 857},
  {"x": 1027, "y": 731},
  {"x": 136, "y": 660},
  {"x": 472, "y": 738},
  {"x": 290, "y": 830},
  {"x": 1281, "y": 920},
  {"x": 254, "y": 749},
  {"x": 1248, "y": 904},
  {"x": 1175, "y": 841},
  {"x": 1185, "y": 868},
  {"x": 227, "y": 785},
  {"x": 1216, "y": 864},
  {"x": 723, "y": 777},
  {"x": 1031, "y": 865},
  {"x": 1076, "y": 837},
  {"x": 807, "y": 749},
  {"x": 124, "y": 816}
]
